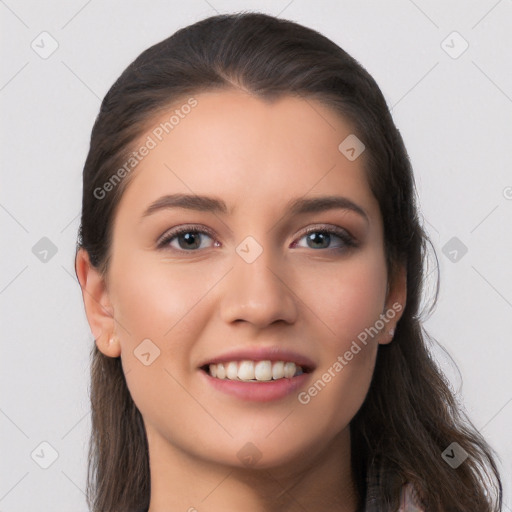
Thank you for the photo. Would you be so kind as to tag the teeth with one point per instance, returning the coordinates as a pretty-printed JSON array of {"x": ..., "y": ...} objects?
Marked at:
[
  {"x": 278, "y": 370},
  {"x": 253, "y": 371},
  {"x": 289, "y": 370},
  {"x": 221, "y": 371},
  {"x": 246, "y": 370},
  {"x": 263, "y": 370},
  {"x": 232, "y": 370}
]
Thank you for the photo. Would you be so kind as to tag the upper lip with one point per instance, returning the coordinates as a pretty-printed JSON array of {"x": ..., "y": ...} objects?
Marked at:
[{"x": 262, "y": 354}]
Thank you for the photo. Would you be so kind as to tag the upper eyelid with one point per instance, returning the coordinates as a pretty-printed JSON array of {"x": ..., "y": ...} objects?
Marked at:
[{"x": 177, "y": 230}]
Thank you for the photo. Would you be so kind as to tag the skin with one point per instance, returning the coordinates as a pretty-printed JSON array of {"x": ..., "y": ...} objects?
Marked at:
[{"x": 256, "y": 156}]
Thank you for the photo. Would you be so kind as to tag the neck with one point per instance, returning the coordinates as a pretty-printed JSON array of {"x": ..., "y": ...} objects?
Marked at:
[{"x": 319, "y": 482}]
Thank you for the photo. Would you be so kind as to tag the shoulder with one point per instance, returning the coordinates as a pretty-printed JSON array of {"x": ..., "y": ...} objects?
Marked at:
[{"x": 409, "y": 500}]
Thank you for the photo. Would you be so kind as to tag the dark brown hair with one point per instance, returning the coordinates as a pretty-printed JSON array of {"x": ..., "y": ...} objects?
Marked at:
[{"x": 410, "y": 415}]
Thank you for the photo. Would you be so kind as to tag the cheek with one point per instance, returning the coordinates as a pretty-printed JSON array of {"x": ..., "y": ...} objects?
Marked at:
[
  {"x": 359, "y": 303},
  {"x": 339, "y": 390},
  {"x": 348, "y": 302},
  {"x": 163, "y": 302},
  {"x": 154, "y": 298},
  {"x": 348, "y": 299}
]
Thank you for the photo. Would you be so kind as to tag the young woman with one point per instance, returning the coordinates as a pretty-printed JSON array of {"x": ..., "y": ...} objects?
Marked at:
[{"x": 251, "y": 262}]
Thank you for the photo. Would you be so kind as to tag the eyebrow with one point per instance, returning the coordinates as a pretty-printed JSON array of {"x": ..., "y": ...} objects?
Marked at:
[{"x": 213, "y": 205}]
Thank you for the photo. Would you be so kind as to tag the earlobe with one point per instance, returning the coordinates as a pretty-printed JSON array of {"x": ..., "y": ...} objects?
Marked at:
[{"x": 98, "y": 308}]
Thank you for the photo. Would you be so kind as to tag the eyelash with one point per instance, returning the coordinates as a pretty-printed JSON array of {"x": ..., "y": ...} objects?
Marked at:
[{"x": 349, "y": 241}]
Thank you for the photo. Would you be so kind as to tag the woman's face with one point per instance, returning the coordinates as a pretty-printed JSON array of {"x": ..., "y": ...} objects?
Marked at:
[{"x": 251, "y": 283}]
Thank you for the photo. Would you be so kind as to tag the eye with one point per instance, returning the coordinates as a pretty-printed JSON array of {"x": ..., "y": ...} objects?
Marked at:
[
  {"x": 187, "y": 238},
  {"x": 321, "y": 237}
]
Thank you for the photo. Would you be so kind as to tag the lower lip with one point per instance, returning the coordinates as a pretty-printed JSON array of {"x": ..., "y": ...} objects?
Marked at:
[{"x": 264, "y": 391}]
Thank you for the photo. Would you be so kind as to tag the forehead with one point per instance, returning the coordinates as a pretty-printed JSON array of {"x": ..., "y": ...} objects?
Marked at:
[{"x": 250, "y": 152}]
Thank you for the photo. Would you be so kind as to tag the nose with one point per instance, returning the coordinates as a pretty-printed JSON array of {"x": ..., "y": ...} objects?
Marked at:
[{"x": 258, "y": 292}]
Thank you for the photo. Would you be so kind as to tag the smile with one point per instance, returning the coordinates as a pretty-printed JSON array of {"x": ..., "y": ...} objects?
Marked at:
[
  {"x": 256, "y": 381},
  {"x": 254, "y": 371}
]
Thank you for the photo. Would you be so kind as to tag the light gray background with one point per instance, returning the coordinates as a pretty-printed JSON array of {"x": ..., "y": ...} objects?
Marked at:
[{"x": 454, "y": 114}]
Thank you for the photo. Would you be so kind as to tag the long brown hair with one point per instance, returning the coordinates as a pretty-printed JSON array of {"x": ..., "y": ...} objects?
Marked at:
[{"x": 410, "y": 415}]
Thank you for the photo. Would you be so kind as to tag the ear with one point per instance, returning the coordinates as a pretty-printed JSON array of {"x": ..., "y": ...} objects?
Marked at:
[
  {"x": 396, "y": 299},
  {"x": 98, "y": 309}
]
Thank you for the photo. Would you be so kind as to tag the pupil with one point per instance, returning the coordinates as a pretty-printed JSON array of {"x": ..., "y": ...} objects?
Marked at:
[
  {"x": 189, "y": 237},
  {"x": 318, "y": 237}
]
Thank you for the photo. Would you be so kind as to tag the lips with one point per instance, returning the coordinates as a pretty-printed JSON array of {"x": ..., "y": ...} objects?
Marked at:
[{"x": 256, "y": 354}]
